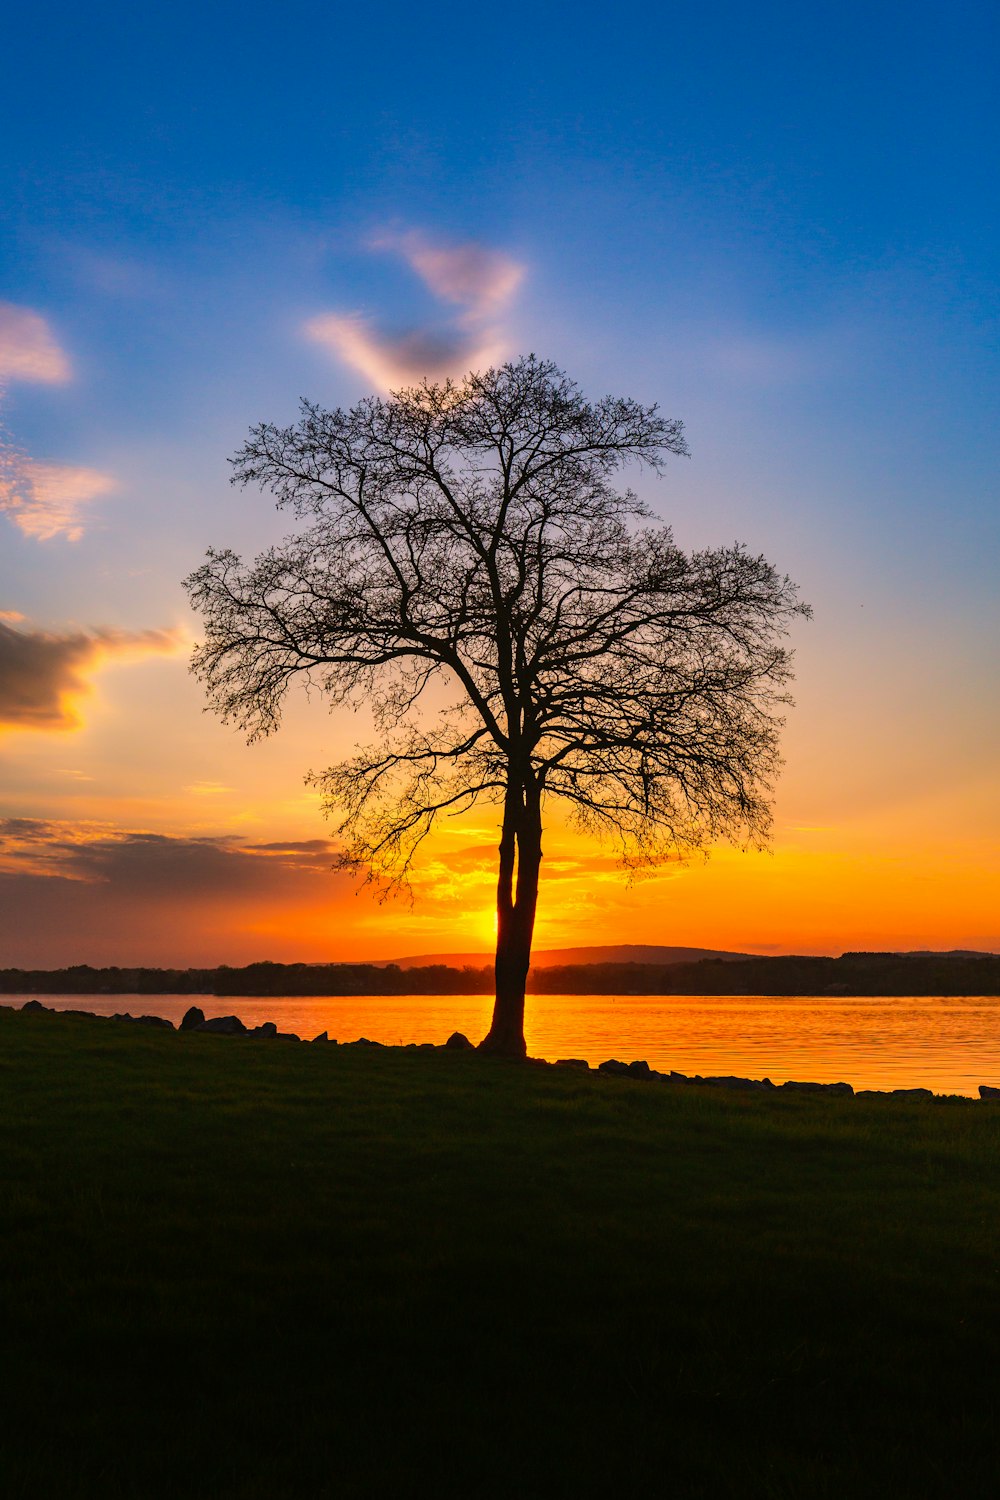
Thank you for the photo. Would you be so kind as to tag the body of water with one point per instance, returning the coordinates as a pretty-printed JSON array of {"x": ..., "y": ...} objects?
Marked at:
[{"x": 950, "y": 1044}]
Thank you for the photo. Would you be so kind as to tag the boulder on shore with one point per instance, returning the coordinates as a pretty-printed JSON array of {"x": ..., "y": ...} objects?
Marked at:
[
  {"x": 459, "y": 1042},
  {"x": 192, "y": 1018},
  {"x": 614, "y": 1066},
  {"x": 573, "y": 1062},
  {"x": 33, "y": 1007},
  {"x": 266, "y": 1028},
  {"x": 817, "y": 1088},
  {"x": 986, "y": 1091},
  {"x": 223, "y": 1026}
]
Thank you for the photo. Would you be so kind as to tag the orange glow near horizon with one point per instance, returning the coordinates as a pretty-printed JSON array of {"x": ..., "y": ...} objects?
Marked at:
[
  {"x": 820, "y": 891},
  {"x": 903, "y": 864}
]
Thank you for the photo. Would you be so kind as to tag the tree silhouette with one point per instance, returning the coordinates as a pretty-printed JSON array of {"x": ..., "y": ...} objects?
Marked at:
[{"x": 468, "y": 533}]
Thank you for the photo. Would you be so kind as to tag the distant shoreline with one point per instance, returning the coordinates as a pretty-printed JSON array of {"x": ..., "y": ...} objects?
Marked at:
[{"x": 853, "y": 974}]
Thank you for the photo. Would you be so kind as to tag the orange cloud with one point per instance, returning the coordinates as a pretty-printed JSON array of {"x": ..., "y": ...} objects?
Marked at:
[
  {"x": 95, "y": 892},
  {"x": 475, "y": 277},
  {"x": 46, "y": 500},
  {"x": 28, "y": 350},
  {"x": 472, "y": 277},
  {"x": 99, "y": 893},
  {"x": 43, "y": 674},
  {"x": 389, "y": 361}
]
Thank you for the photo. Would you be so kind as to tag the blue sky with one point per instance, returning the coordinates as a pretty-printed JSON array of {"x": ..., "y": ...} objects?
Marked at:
[{"x": 779, "y": 222}]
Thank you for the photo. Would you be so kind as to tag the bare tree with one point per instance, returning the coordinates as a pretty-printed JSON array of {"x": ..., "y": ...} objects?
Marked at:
[{"x": 469, "y": 533}]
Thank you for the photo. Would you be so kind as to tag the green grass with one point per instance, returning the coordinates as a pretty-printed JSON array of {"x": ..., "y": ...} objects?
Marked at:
[{"x": 249, "y": 1269}]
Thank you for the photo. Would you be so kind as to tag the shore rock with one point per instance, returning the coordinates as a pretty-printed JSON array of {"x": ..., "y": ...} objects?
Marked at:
[
  {"x": 986, "y": 1091},
  {"x": 223, "y": 1026},
  {"x": 817, "y": 1088},
  {"x": 194, "y": 1020}
]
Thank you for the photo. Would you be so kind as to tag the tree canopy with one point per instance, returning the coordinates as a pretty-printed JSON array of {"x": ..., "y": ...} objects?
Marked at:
[{"x": 467, "y": 536}]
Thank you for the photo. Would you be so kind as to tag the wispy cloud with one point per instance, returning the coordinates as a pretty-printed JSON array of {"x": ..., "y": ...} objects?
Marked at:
[
  {"x": 44, "y": 675},
  {"x": 474, "y": 278},
  {"x": 28, "y": 348},
  {"x": 389, "y": 361},
  {"x": 98, "y": 893},
  {"x": 43, "y": 499},
  {"x": 47, "y": 500},
  {"x": 178, "y": 864}
]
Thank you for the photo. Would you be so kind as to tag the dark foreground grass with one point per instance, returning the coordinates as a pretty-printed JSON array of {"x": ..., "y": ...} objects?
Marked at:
[{"x": 250, "y": 1269}]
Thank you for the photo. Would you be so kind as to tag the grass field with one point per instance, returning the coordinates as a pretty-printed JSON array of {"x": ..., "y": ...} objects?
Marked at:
[{"x": 259, "y": 1269}]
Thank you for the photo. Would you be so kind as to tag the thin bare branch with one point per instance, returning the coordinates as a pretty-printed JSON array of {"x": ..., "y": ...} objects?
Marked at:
[{"x": 468, "y": 536}]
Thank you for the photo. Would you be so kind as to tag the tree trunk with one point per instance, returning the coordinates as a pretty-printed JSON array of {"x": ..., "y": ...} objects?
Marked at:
[{"x": 517, "y": 898}]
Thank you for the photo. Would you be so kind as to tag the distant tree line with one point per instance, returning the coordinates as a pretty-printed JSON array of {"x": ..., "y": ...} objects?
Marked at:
[
  {"x": 254, "y": 979},
  {"x": 852, "y": 974}
]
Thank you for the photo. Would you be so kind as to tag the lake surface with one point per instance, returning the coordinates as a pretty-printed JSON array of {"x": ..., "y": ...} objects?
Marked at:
[{"x": 948, "y": 1044}]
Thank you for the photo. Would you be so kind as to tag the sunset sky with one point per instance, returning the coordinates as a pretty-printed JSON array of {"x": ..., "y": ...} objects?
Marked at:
[{"x": 779, "y": 223}]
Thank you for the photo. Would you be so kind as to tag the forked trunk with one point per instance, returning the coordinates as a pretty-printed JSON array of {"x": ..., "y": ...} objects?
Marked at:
[{"x": 517, "y": 898}]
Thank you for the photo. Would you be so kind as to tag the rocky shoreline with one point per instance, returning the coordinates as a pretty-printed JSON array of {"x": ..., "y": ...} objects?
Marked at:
[{"x": 195, "y": 1019}]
